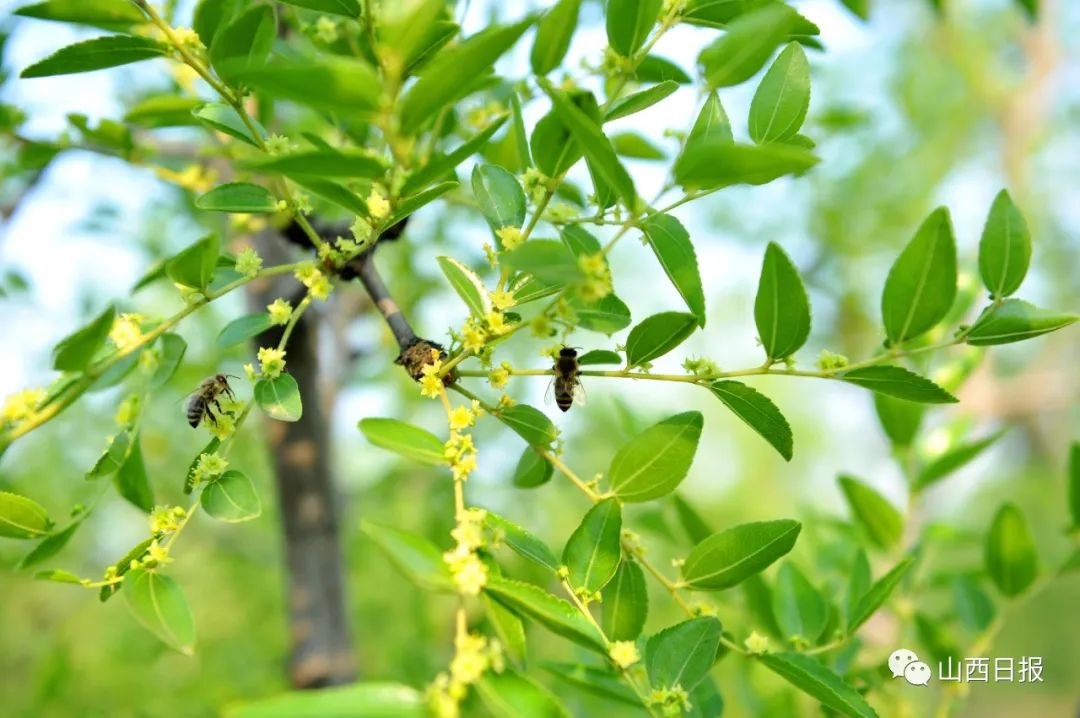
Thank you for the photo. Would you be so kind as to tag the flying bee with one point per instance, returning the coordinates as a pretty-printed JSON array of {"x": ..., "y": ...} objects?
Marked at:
[
  {"x": 566, "y": 383},
  {"x": 207, "y": 395}
]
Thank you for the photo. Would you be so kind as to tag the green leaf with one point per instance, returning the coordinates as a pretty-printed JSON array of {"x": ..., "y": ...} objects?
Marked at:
[
  {"x": 416, "y": 557},
  {"x": 346, "y": 8},
  {"x": 654, "y": 68},
  {"x": 633, "y": 145},
  {"x": 158, "y": 603},
  {"x": 530, "y": 424},
  {"x": 921, "y": 285},
  {"x": 639, "y": 101},
  {"x": 697, "y": 530},
  {"x": 625, "y": 603},
  {"x": 408, "y": 205},
  {"x": 974, "y": 606},
  {"x": 739, "y": 53},
  {"x": 607, "y": 315},
  {"x": 592, "y": 141},
  {"x": 172, "y": 350},
  {"x": 22, "y": 518},
  {"x": 244, "y": 42},
  {"x": 532, "y": 470},
  {"x": 1015, "y": 320},
  {"x": 858, "y": 582},
  {"x": 877, "y": 594},
  {"x": 900, "y": 383},
  {"x": 451, "y": 73},
  {"x": 882, "y": 522},
  {"x": 553, "y": 613},
  {"x": 705, "y": 700},
  {"x": 410, "y": 441},
  {"x": 195, "y": 266},
  {"x": 238, "y": 197},
  {"x": 361, "y": 700},
  {"x": 345, "y": 85},
  {"x": 121, "y": 567},
  {"x": 49, "y": 546},
  {"x": 522, "y": 541},
  {"x": 467, "y": 285},
  {"x": 715, "y": 161},
  {"x": 132, "y": 481},
  {"x": 442, "y": 165},
  {"x": 211, "y": 17},
  {"x": 243, "y": 328},
  {"x": 656, "y": 461},
  {"x": 57, "y": 575},
  {"x": 953, "y": 459},
  {"x": 553, "y": 34},
  {"x": 782, "y": 99},
  {"x": 813, "y": 678},
  {"x": 75, "y": 351},
  {"x": 629, "y": 23},
  {"x": 413, "y": 31},
  {"x": 512, "y": 695},
  {"x": 333, "y": 192},
  {"x": 323, "y": 163},
  {"x": 112, "y": 458},
  {"x": 682, "y": 654},
  {"x": 1005, "y": 247},
  {"x": 191, "y": 475},
  {"x": 899, "y": 419},
  {"x": 800, "y": 609},
  {"x": 593, "y": 552},
  {"x": 671, "y": 244},
  {"x": 1011, "y": 557},
  {"x": 601, "y": 682},
  {"x": 231, "y": 497},
  {"x": 545, "y": 259},
  {"x": 499, "y": 195},
  {"x": 655, "y": 336},
  {"x": 96, "y": 54},
  {"x": 711, "y": 122},
  {"x": 727, "y": 558},
  {"x": 509, "y": 628},
  {"x": 599, "y": 356},
  {"x": 758, "y": 412},
  {"x": 223, "y": 118},
  {"x": 279, "y": 398},
  {"x": 163, "y": 111},
  {"x": 107, "y": 14},
  {"x": 781, "y": 309},
  {"x": 1074, "y": 484}
]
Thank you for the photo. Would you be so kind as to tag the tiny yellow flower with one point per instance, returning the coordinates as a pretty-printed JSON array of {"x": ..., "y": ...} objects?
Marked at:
[
  {"x": 158, "y": 553},
  {"x": 510, "y": 237},
  {"x": 188, "y": 38},
  {"x": 279, "y": 144},
  {"x": 470, "y": 575},
  {"x": 361, "y": 231},
  {"x": 431, "y": 385},
  {"x": 502, "y": 299},
  {"x": 272, "y": 361},
  {"x": 326, "y": 29},
  {"x": 126, "y": 333},
  {"x": 377, "y": 205},
  {"x": 757, "y": 643},
  {"x": 461, "y": 417},
  {"x": 624, "y": 654},
  {"x": 473, "y": 337},
  {"x": 248, "y": 262},
  {"x": 210, "y": 466},
  {"x": 279, "y": 311},
  {"x": 496, "y": 323},
  {"x": 499, "y": 377},
  {"x": 128, "y": 410},
  {"x": 321, "y": 288},
  {"x": 249, "y": 370},
  {"x": 463, "y": 467},
  {"x": 22, "y": 404}
]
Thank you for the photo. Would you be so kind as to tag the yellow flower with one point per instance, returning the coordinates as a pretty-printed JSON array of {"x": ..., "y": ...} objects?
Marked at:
[
  {"x": 431, "y": 386},
  {"x": 272, "y": 361},
  {"x": 248, "y": 262},
  {"x": 624, "y": 653},
  {"x": 280, "y": 311},
  {"x": 510, "y": 237},
  {"x": 502, "y": 299},
  {"x": 128, "y": 410},
  {"x": 279, "y": 144},
  {"x": 361, "y": 230},
  {"x": 463, "y": 467},
  {"x": 499, "y": 376},
  {"x": 249, "y": 370},
  {"x": 188, "y": 38},
  {"x": 470, "y": 575},
  {"x": 158, "y": 553},
  {"x": 22, "y": 404},
  {"x": 470, "y": 662},
  {"x": 321, "y": 288},
  {"x": 210, "y": 466},
  {"x": 166, "y": 519},
  {"x": 757, "y": 643},
  {"x": 377, "y": 205},
  {"x": 496, "y": 323},
  {"x": 126, "y": 333},
  {"x": 473, "y": 337},
  {"x": 461, "y": 417},
  {"x": 326, "y": 29}
]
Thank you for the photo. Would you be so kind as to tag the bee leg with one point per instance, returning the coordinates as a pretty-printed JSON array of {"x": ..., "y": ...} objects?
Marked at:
[
  {"x": 210, "y": 414},
  {"x": 228, "y": 390}
]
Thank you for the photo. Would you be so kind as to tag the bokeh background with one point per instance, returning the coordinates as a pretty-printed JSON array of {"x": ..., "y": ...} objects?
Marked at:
[{"x": 910, "y": 110}]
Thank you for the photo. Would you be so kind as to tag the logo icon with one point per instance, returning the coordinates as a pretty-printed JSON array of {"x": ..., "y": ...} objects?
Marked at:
[{"x": 904, "y": 663}]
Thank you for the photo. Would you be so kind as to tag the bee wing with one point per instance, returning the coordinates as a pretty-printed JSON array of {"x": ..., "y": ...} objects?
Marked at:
[
  {"x": 579, "y": 394},
  {"x": 549, "y": 393}
]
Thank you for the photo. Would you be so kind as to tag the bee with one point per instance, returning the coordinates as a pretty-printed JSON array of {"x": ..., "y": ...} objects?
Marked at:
[
  {"x": 206, "y": 396},
  {"x": 566, "y": 384}
]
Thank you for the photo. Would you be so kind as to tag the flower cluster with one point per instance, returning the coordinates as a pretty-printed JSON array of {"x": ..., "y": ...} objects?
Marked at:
[
  {"x": 474, "y": 655},
  {"x": 326, "y": 29},
  {"x": 536, "y": 184},
  {"x": 166, "y": 519},
  {"x": 378, "y": 206},
  {"x": 597, "y": 282},
  {"x": 673, "y": 701},
  {"x": 431, "y": 384},
  {"x": 317, "y": 283},
  {"x": 208, "y": 467},
  {"x": 623, "y": 654},
  {"x": 701, "y": 367},
  {"x": 466, "y": 567},
  {"x": 499, "y": 376},
  {"x": 510, "y": 237},
  {"x": 476, "y": 333},
  {"x": 248, "y": 262},
  {"x": 126, "y": 332},
  {"x": 193, "y": 178},
  {"x": 280, "y": 311},
  {"x": 828, "y": 361},
  {"x": 189, "y": 39},
  {"x": 21, "y": 405},
  {"x": 271, "y": 361}
]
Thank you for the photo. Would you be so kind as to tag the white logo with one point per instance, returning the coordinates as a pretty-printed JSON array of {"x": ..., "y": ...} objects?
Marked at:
[{"x": 903, "y": 663}]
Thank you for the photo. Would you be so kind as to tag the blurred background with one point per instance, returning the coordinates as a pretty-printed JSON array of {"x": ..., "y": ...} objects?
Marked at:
[{"x": 910, "y": 109}]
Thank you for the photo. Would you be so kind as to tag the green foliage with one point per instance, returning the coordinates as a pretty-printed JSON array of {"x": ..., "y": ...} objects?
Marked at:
[
  {"x": 159, "y": 604},
  {"x": 1011, "y": 558},
  {"x": 593, "y": 552},
  {"x": 656, "y": 461},
  {"x": 782, "y": 99},
  {"x": 231, "y": 497},
  {"x": 279, "y": 398},
  {"x": 625, "y": 603},
  {"x": 96, "y": 54},
  {"x": 730, "y": 557},
  {"x": 22, "y": 518},
  {"x": 879, "y": 518},
  {"x": 781, "y": 309},
  {"x": 75, "y": 351},
  {"x": 238, "y": 197},
  {"x": 921, "y": 285},
  {"x": 410, "y": 441},
  {"x": 681, "y": 655}
]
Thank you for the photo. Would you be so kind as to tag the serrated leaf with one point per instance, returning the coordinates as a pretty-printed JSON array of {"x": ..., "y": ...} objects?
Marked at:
[
  {"x": 244, "y": 42},
  {"x": 499, "y": 196},
  {"x": 607, "y": 315},
  {"x": 96, "y": 54},
  {"x": 1011, "y": 557},
  {"x": 640, "y": 100},
  {"x": 523, "y": 542},
  {"x": 75, "y": 351},
  {"x": 899, "y": 419},
  {"x": 416, "y": 557},
  {"x": 655, "y": 462},
  {"x": 599, "y": 356},
  {"x": 593, "y": 552},
  {"x": 711, "y": 122},
  {"x": 781, "y": 308},
  {"x": 159, "y": 604},
  {"x": 921, "y": 285},
  {"x": 339, "y": 195},
  {"x": 597, "y": 681},
  {"x": 682, "y": 654},
  {"x": 715, "y": 161},
  {"x": 877, "y": 594},
  {"x": 279, "y": 398},
  {"x": 758, "y": 412},
  {"x": 553, "y": 34},
  {"x": 739, "y": 53},
  {"x": 323, "y": 163},
  {"x": 671, "y": 244},
  {"x": 409, "y": 441},
  {"x": 509, "y": 628},
  {"x": 22, "y": 518},
  {"x": 1005, "y": 247},
  {"x": 243, "y": 197},
  {"x": 467, "y": 285},
  {"x": 231, "y": 497},
  {"x": 49, "y": 546},
  {"x": 1015, "y": 320},
  {"x": 223, "y": 118},
  {"x": 106, "y": 14},
  {"x": 195, "y": 266},
  {"x": 625, "y": 603},
  {"x": 657, "y": 335},
  {"x": 553, "y": 613},
  {"x": 243, "y": 328},
  {"x": 782, "y": 99},
  {"x": 900, "y": 383},
  {"x": 510, "y": 694},
  {"x": 654, "y": 68},
  {"x": 727, "y": 558},
  {"x": 813, "y": 678},
  {"x": 345, "y": 85},
  {"x": 881, "y": 520}
]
